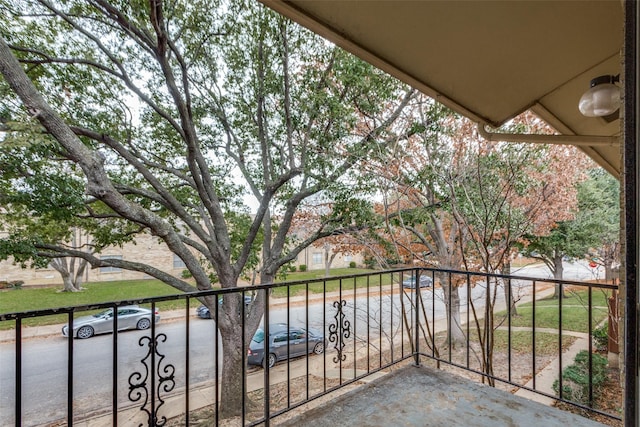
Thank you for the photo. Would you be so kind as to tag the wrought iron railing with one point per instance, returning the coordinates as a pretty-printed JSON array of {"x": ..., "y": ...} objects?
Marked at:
[{"x": 169, "y": 374}]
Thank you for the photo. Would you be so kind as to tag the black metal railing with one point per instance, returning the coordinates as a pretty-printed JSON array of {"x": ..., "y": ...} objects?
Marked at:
[{"x": 366, "y": 323}]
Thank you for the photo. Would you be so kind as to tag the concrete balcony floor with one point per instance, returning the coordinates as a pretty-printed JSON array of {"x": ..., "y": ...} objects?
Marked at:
[{"x": 423, "y": 396}]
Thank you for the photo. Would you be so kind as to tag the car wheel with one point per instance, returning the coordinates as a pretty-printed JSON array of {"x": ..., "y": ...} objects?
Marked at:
[
  {"x": 319, "y": 348},
  {"x": 271, "y": 360},
  {"x": 85, "y": 332},
  {"x": 143, "y": 324}
]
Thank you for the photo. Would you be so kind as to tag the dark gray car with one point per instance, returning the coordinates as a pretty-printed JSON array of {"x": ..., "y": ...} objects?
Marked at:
[
  {"x": 129, "y": 317},
  {"x": 283, "y": 343},
  {"x": 204, "y": 313},
  {"x": 424, "y": 282}
]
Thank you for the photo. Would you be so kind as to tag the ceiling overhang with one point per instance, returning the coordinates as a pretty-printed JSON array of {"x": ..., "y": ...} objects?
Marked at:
[{"x": 487, "y": 60}]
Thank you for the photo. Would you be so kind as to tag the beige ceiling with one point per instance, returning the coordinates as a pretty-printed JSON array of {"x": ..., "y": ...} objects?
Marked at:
[{"x": 488, "y": 60}]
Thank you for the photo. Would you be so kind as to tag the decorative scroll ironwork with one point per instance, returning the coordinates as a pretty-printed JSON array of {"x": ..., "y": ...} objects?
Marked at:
[
  {"x": 155, "y": 378},
  {"x": 339, "y": 331}
]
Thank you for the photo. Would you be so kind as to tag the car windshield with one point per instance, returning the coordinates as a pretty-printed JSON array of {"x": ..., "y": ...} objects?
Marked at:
[{"x": 259, "y": 336}]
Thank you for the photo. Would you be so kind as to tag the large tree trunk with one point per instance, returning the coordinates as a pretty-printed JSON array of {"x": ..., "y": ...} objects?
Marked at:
[
  {"x": 230, "y": 326},
  {"x": 328, "y": 260},
  {"x": 451, "y": 294},
  {"x": 68, "y": 284},
  {"x": 558, "y": 272},
  {"x": 508, "y": 290},
  {"x": 60, "y": 265},
  {"x": 78, "y": 278},
  {"x": 608, "y": 260},
  {"x": 231, "y": 384}
]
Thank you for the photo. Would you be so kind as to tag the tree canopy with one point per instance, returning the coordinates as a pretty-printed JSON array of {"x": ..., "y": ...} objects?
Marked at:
[
  {"x": 178, "y": 115},
  {"x": 593, "y": 232}
]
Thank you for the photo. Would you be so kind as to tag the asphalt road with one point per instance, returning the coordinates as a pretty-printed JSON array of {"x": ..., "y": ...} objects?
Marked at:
[{"x": 578, "y": 270}]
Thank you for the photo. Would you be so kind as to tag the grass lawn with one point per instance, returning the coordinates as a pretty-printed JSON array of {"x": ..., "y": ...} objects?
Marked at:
[
  {"x": 43, "y": 298},
  {"x": 522, "y": 342},
  {"x": 575, "y": 316},
  {"x": 18, "y": 300}
]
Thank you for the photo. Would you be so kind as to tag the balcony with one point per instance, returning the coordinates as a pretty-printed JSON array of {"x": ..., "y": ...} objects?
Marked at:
[{"x": 385, "y": 358}]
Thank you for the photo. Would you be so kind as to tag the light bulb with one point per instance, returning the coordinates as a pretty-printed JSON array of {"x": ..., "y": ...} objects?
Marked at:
[{"x": 601, "y": 100}]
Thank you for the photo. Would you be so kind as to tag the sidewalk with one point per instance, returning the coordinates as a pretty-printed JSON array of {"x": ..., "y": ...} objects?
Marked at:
[{"x": 546, "y": 377}]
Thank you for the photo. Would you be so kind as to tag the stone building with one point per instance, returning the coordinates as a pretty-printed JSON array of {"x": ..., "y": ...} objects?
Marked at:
[{"x": 148, "y": 250}]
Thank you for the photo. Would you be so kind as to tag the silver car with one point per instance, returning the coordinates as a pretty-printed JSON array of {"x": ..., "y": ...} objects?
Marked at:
[{"x": 129, "y": 317}]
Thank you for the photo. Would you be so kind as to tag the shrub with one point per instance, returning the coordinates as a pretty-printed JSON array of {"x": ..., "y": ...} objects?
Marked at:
[
  {"x": 186, "y": 274},
  {"x": 303, "y": 267},
  {"x": 292, "y": 268},
  {"x": 352, "y": 264},
  {"x": 370, "y": 262},
  {"x": 15, "y": 284},
  {"x": 601, "y": 337},
  {"x": 575, "y": 378}
]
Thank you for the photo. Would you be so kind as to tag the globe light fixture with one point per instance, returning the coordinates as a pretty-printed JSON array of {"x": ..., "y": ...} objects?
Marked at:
[{"x": 602, "y": 99}]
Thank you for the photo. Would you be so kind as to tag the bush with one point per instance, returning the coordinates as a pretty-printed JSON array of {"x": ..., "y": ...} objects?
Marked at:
[
  {"x": 303, "y": 267},
  {"x": 292, "y": 268},
  {"x": 575, "y": 378},
  {"x": 601, "y": 337},
  {"x": 352, "y": 264},
  {"x": 14, "y": 284},
  {"x": 186, "y": 274},
  {"x": 370, "y": 262}
]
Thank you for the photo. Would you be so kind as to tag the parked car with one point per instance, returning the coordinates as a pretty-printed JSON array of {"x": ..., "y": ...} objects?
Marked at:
[
  {"x": 129, "y": 317},
  {"x": 298, "y": 341},
  {"x": 424, "y": 282},
  {"x": 204, "y": 313}
]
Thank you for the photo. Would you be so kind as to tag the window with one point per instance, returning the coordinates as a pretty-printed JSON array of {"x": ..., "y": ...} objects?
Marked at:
[
  {"x": 281, "y": 337},
  {"x": 316, "y": 258},
  {"x": 296, "y": 335},
  {"x": 348, "y": 258},
  {"x": 178, "y": 262},
  {"x": 259, "y": 336},
  {"x": 110, "y": 269}
]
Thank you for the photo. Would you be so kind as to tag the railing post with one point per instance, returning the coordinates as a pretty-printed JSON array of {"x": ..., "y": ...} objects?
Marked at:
[
  {"x": 114, "y": 364},
  {"x": 153, "y": 348},
  {"x": 70, "y": 370},
  {"x": 267, "y": 350},
  {"x": 18, "y": 396},
  {"x": 416, "y": 330},
  {"x": 631, "y": 170}
]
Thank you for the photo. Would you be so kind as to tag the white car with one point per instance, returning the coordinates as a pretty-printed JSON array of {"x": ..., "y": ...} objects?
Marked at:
[{"x": 129, "y": 317}]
